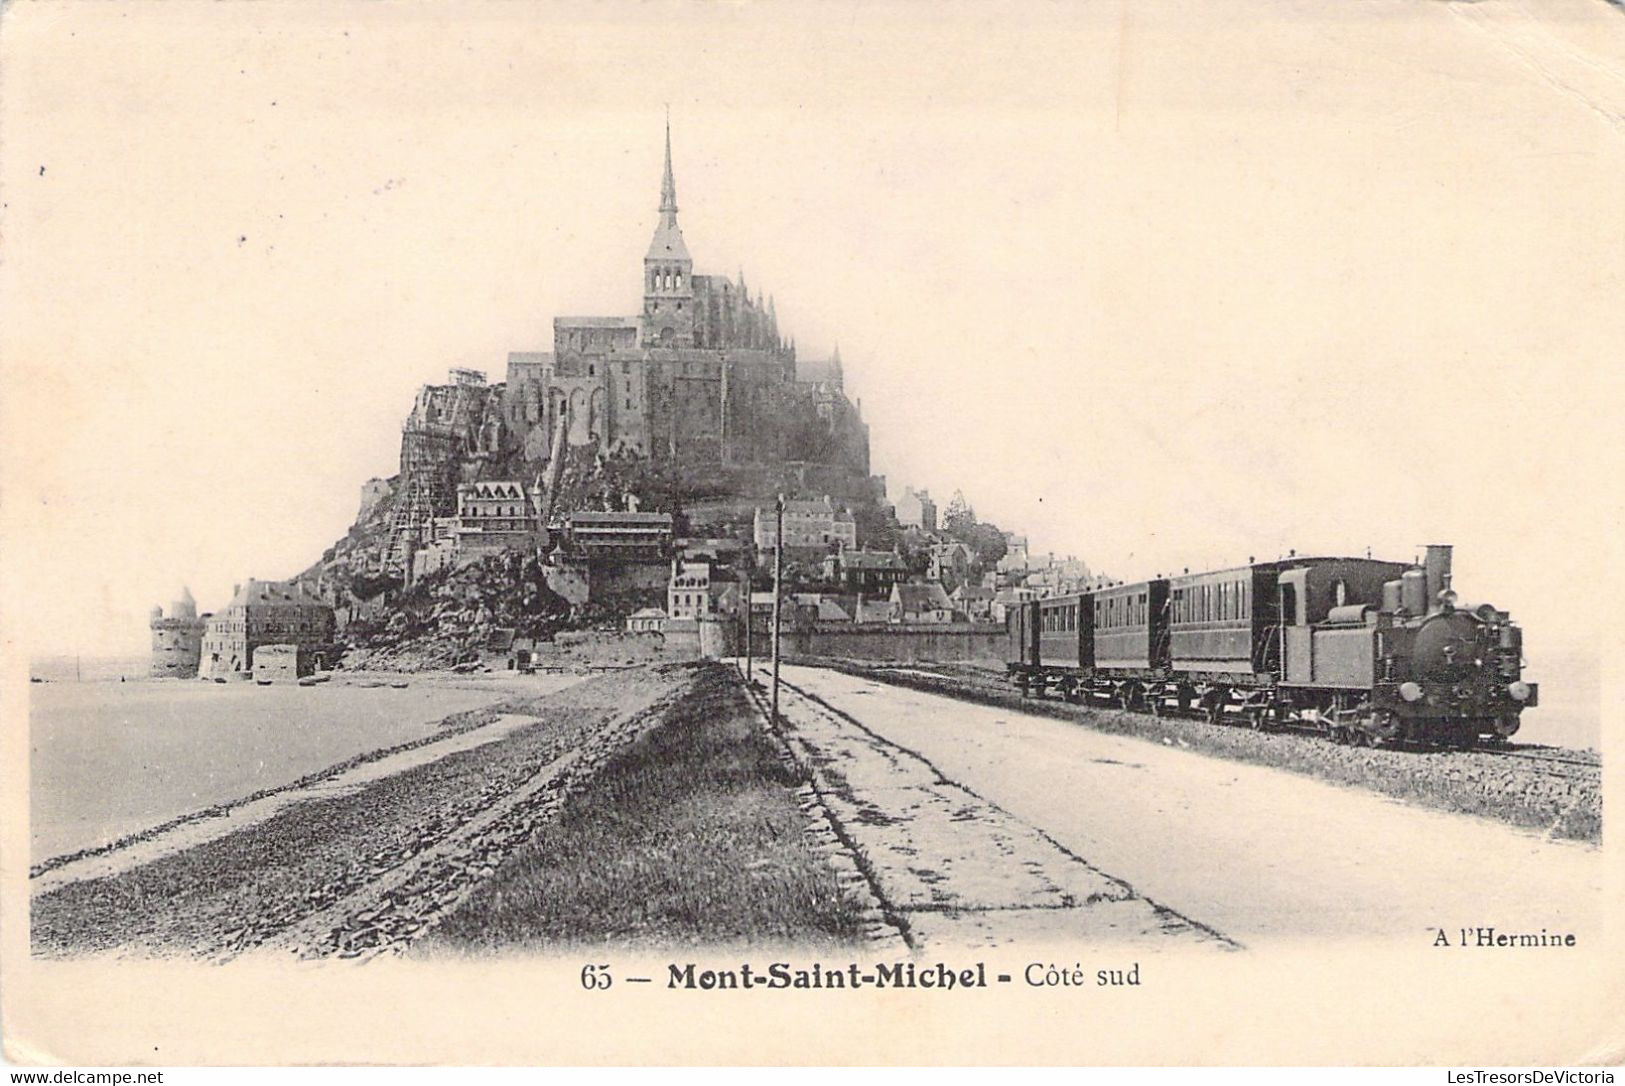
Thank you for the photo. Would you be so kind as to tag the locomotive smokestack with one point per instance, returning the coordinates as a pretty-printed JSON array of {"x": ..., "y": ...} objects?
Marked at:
[{"x": 1437, "y": 567}]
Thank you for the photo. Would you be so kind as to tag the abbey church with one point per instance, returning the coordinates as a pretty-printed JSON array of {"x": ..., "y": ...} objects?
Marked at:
[{"x": 701, "y": 376}]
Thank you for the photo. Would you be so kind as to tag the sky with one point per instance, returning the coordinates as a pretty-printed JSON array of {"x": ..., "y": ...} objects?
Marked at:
[{"x": 1162, "y": 285}]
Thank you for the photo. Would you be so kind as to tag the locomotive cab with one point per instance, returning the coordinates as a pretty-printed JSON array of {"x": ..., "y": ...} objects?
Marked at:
[{"x": 1396, "y": 658}]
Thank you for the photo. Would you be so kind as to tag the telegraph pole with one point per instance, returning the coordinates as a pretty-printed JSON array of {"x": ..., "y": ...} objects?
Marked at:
[
  {"x": 748, "y": 617},
  {"x": 778, "y": 600}
]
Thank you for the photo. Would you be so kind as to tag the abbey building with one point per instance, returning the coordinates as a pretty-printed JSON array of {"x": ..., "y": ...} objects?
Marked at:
[{"x": 700, "y": 376}]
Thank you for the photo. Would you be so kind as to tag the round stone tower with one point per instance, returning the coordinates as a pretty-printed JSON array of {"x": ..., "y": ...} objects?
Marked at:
[{"x": 177, "y": 641}]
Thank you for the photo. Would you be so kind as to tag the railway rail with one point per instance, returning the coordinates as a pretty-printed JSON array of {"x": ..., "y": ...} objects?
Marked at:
[{"x": 1455, "y": 779}]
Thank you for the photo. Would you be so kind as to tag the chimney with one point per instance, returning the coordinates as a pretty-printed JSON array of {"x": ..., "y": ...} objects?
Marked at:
[{"x": 1437, "y": 567}]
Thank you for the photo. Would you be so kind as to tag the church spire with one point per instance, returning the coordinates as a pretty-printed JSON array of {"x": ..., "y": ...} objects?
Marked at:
[
  {"x": 667, "y": 244},
  {"x": 668, "y": 185}
]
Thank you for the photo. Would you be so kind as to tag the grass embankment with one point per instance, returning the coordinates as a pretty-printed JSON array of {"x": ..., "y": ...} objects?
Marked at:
[
  {"x": 689, "y": 836},
  {"x": 1484, "y": 784}
]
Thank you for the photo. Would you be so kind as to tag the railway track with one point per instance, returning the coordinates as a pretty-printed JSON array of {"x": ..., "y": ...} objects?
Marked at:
[
  {"x": 1561, "y": 764},
  {"x": 1548, "y": 759}
]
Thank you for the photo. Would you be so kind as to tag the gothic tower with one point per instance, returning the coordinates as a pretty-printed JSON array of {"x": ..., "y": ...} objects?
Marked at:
[{"x": 668, "y": 289}]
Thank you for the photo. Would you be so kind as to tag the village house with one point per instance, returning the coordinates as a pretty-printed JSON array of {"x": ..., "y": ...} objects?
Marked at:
[
  {"x": 285, "y": 663},
  {"x": 809, "y": 527},
  {"x": 865, "y": 571},
  {"x": 825, "y": 606},
  {"x": 494, "y": 516},
  {"x": 975, "y": 602},
  {"x": 921, "y": 603},
  {"x": 263, "y": 613},
  {"x": 915, "y": 509},
  {"x": 1007, "y": 598},
  {"x": 1015, "y": 554},
  {"x": 695, "y": 593},
  {"x": 719, "y": 550},
  {"x": 621, "y": 536},
  {"x": 647, "y": 620},
  {"x": 877, "y": 610},
  {"x": 1060, "y": 577},
  {"x": 950, "y": 564}
]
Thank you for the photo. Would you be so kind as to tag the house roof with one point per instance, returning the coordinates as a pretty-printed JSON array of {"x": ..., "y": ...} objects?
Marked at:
[
  {"x": 648, "y": 612},
  {"x": 799, "y": 505},
  {"x": 869, "y": 608},
  {"x": 922, "y": 597},
  {"x": 870, "y": 560},
  {"x": 650, "y": 520},
  {"x": 269, "y": 593},
  {"x": 972, "y": 592},
  {"x": 496, "y": 488}
]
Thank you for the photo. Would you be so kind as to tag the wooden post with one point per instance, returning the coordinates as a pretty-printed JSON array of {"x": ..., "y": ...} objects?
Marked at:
[
  {"x": 778, "y": 601},
  {"x": 748, "y": 617}
]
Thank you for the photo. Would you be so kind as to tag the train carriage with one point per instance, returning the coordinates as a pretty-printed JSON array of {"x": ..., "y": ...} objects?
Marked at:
[
  {"x": 1021, "y": 636},
  {"x": 1219, "y": 623},
  {"x": 1131, "y": 626},
  {"x": 1359, "y": 649},
  {"x": 1065, "y": 626}
]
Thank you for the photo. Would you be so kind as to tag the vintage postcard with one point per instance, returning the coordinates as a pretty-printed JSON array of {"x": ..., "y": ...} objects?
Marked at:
[{"x": 812, "y": 534}]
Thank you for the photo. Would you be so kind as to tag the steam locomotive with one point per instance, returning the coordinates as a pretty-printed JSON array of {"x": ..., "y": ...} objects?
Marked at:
[{"x": 1363, "y": 651}]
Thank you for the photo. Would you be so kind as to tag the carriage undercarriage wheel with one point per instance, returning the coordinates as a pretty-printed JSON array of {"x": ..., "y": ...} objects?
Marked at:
[
  {"x": 1215, "y": 712},
  {"x": 1258, "y": 718},
  {"x": 1154, "y": 704}
]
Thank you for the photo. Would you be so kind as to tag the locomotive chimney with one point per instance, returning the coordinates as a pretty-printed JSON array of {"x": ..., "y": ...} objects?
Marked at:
[{"x": 1437, "y": 566}]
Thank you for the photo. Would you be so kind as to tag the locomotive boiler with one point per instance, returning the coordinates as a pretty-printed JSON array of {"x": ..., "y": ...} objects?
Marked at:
[{"x": 1363, "y": 651}]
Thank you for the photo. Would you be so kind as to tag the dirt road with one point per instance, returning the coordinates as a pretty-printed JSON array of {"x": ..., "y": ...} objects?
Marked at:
[{"x": 1255, "y": 854}]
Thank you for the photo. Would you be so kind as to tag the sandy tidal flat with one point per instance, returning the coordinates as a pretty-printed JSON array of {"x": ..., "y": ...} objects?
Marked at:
[{"x": 111, "y": 759}]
